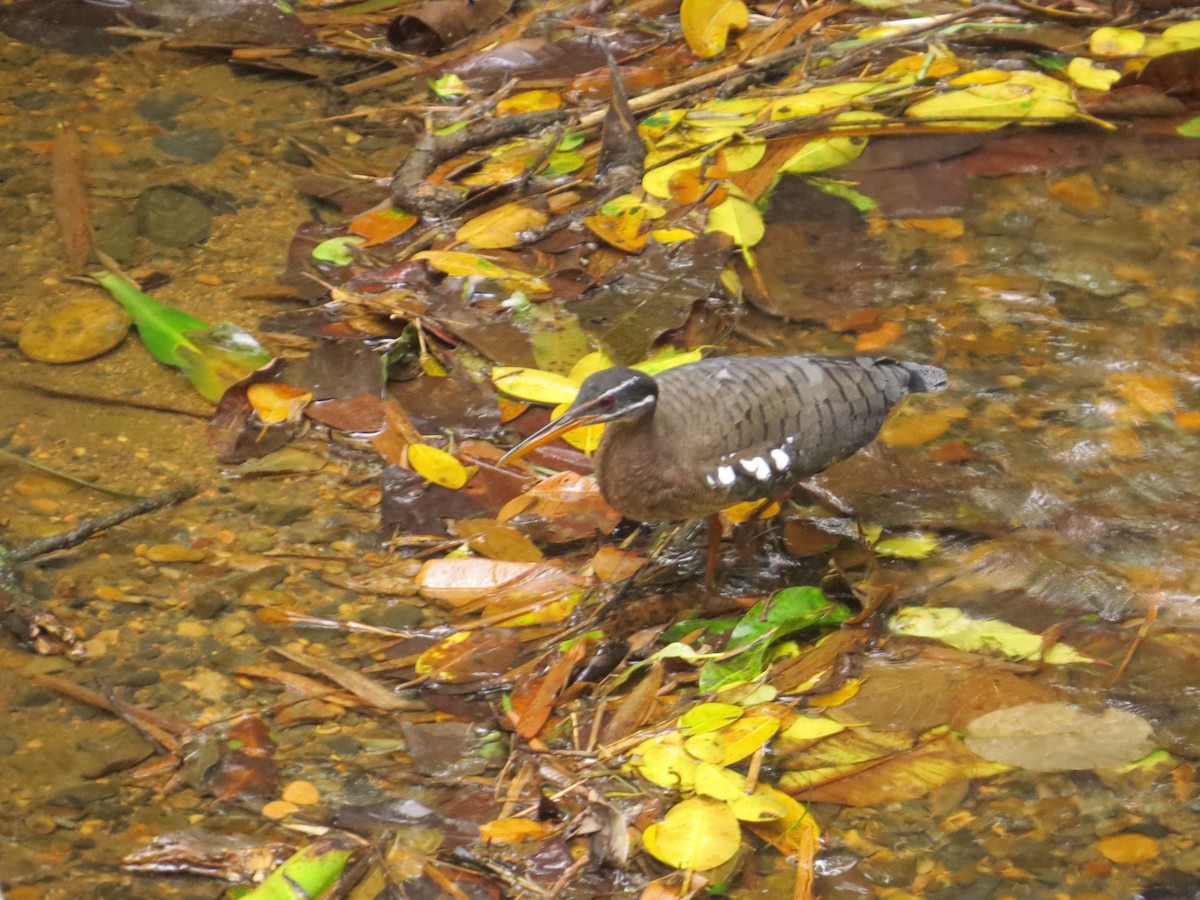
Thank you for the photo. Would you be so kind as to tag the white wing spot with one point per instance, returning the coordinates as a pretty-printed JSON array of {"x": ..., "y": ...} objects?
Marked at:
[
  {"x": 758, "y": 467},
  {"x": 781, "y": 459},
  {"x": 726, "y": 475}
]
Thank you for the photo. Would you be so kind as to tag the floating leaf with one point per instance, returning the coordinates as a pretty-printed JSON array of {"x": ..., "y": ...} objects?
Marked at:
[
  {"x": 695, "y": 835},
  {"x": 707, "y": 23},
  {"x": 436, "y": 465}
]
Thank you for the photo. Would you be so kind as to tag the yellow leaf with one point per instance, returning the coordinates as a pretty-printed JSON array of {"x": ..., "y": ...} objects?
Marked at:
[
  {"x": 667, "y": 359},
  {"x": 746, "y": 735},
  {"x": 585, "y": 438},
  {"x": 738, "y": 218},
  {"x": 709, "y": 717},
  {"x": 1116, "y": 42},
  {"x": 908, "y": 546},
  {"x": 914, "y": 430},
  {"x": 695, "y": 835},
  {"x": 956, "y": 628},
  {"x": 589, "y": 364},
  {"x": 830, "y": 152},
  {"x": 719, "y": 782},
  {"x": 528, "y": 101},
  {"x": 671, "y": 235},
  {"x": 820, "y": 99},
  {"x": 838, "y": 697},
  {"x": 707, "y": 23},
  {"x": 761, "y": 806},
  {"x": 498, "y": 228},
  {"x": 1085, "y": 73},
  {"x": 708, "y": 747},
  {"x": 663, "y": 761},
  {"x": 811, "y": 728},
  {"x": 436, "y": 465},
  {"x": 534, "y": 385},
  {"x": 543, "y": 614},
  {"x": 512, "y": 831},
  {"x": 742, "y": 512},
  {"x": 459, "y": 264},
  {"x": 992, "y": 98},
  {"x": 430, "y": 661}
]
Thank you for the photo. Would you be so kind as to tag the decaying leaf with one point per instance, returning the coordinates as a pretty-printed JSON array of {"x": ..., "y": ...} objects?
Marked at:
[{"x": 1059, "y": 737}]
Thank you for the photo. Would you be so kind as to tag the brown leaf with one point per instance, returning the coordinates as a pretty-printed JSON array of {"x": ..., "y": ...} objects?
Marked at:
[
  {"x": 362, "y": 686},
  {"x": 533, "y": 700},
  {"x": 437, "y": 24},
  {"x": 635, "y": 709},
  {"x": 1171, "y": 73},
  {"x": 70, "y": 196}
]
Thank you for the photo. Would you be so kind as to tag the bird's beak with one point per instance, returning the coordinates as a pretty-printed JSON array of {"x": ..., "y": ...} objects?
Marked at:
[{"x": 575, "y": 417}]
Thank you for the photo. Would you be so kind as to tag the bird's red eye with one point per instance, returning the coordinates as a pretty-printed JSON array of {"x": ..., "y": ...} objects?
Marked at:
[{"x": 606, "y": 403}]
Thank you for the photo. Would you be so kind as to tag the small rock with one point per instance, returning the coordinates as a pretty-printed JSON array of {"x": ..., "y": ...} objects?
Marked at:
[{"x": 172, "y": 218}]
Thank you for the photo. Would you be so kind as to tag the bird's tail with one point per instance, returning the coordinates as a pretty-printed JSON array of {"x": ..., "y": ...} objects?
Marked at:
[{"x": 922, "y": 378}]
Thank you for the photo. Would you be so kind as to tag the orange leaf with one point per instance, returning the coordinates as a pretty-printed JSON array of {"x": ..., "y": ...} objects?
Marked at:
[
  {"x": 381, "y": 225},
  {"x": 880, "y": 337},
  {"x": 528, "y": 101},
  {"x": 277, "y": 402}
]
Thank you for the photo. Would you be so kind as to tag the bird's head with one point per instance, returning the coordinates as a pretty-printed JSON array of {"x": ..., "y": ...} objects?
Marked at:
[{"x": 607, "y": 396}]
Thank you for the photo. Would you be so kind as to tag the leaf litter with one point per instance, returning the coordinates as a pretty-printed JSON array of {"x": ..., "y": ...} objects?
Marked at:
[{"x": 448, "y": 273}]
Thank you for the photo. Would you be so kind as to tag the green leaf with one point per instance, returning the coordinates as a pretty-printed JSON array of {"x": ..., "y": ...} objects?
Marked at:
[
  {"x": 338, "y": 250},
  {"x": 309, "y": 872},
  {"x": 789, "y": 611},
  {"x": 211, "y": 358},
  {"x": 449, "y": 87},
  {"x": 1190, "y": 128}
]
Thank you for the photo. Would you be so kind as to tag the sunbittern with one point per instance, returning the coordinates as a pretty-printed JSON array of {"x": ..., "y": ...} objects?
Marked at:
[{"x": 707, "y": 435}]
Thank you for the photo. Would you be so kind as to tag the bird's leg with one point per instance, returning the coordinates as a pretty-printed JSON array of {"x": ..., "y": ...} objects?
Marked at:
[{"x": 714, "y": 550}]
